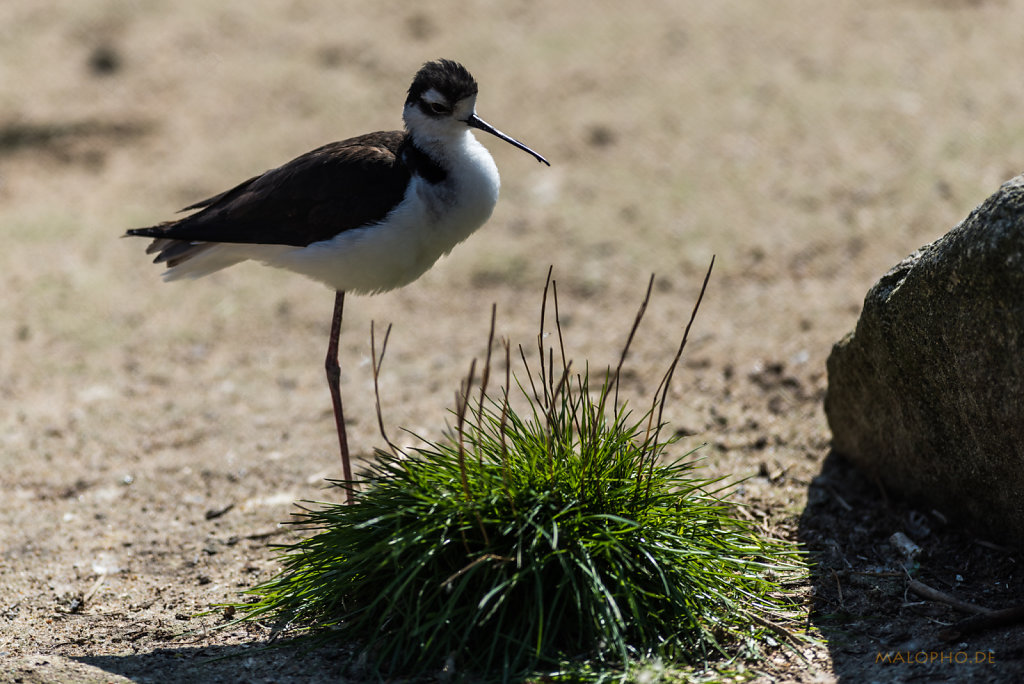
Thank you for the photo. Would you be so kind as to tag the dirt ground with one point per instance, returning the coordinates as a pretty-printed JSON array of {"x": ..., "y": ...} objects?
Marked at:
[{"x": 153, "y": 436}]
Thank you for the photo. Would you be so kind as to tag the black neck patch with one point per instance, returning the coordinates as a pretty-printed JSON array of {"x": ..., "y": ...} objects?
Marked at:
[{"x": 420, "y": 163}]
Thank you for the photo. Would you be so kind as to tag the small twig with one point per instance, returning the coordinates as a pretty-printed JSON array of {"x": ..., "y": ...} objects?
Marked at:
[
  {"x": 486, "y": 557},
  {"x": 540, "y": 335},
  {"x": 666, "y": 381},
  {"x": 881, "y": 489},
  {"x": 214, "y": 513},
  {"x": 461, "y": 406},
  {"x": 838, "y": 498},
  {"x": 529, "y": 374},
  {"x": 549, "y": 406},
  {"x": 990, "y": 545},
  {"x": 567, "y": 387},
  {"x": 779, "y": 630},
  {"x": 378, "y": 363},
  {"x": 558, "y": 325},
  {"x": 551, "y": 374},
  {"x": 924, "y": 591},
  {"x": 487, "y": 369},
  {"x": 629, "y": 341},
  {"x": 839, "y": 588},
  {"x": 562, "y": 384},
  {"x": 556, "y": 391},
  {"x": 259, "y": 536},
  {"x": 95, "y": 587},
  {"x": 504, "y": 421},
  {"x": 989, "y": 620}
]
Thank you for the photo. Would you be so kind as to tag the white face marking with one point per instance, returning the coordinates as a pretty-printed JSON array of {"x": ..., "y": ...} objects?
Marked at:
[
  {"x": 434, "y": 133},
  {"x": 432, "y": 96},
  {"x": 464, "y": 108}
]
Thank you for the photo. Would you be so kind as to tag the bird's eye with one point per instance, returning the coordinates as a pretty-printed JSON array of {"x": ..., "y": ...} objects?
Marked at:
[{"x": 437, "y": 108}]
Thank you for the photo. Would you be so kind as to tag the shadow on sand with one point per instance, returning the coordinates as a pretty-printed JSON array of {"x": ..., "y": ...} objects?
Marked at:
[{"x": 283, "y": 662}]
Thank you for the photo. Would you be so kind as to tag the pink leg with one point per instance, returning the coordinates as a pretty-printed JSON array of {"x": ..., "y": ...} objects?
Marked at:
[{"x": 334, "y": 381}]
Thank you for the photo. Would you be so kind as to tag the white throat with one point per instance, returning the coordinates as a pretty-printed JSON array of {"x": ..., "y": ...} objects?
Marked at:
[{"x": 426, "y": 225}]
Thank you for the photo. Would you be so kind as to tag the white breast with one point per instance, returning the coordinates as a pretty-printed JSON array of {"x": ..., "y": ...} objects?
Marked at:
[{"x": 425, "y": 226}]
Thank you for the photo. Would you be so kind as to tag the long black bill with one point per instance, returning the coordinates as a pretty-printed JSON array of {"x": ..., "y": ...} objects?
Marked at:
[{"x": 476, "y": 122}]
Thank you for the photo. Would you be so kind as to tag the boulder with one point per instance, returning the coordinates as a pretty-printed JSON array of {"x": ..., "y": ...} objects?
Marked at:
[{"x": 927, "y": 393}]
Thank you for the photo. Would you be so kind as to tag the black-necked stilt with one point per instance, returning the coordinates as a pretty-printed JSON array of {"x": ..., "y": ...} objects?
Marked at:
[{"x": 364, "y": 215}]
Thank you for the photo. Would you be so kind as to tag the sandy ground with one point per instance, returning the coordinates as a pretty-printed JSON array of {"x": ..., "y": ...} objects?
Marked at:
[{"x": 152, "y": 436}]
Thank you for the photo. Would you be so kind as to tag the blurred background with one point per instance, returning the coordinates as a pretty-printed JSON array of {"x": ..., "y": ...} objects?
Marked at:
[{"x": 809, "y": 146}]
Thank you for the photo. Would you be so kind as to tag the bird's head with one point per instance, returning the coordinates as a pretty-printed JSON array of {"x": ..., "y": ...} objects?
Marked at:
[{"x": 442, "y": 103}]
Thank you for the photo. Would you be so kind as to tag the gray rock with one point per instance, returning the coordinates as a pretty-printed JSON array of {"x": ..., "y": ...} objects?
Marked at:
[{"x": 927, "y": 394}]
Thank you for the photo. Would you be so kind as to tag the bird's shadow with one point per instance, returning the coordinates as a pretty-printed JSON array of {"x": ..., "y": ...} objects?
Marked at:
[{"x": 283, "y": 661}]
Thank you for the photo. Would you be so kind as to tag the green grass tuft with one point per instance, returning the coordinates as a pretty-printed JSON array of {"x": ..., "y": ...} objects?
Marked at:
[{"x": 544, "y": 540}]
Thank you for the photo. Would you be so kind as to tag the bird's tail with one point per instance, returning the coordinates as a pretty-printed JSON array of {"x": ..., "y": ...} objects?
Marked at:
[
  {"x": 187, "y": 259},
  {"x": 184, "y": 258}
]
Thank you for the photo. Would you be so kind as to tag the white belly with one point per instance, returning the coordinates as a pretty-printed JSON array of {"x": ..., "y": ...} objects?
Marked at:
[{"x": 428, "y": 223}]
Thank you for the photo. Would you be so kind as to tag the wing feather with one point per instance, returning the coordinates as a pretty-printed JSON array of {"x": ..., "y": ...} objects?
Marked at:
[{"x": 336, "y": 187}]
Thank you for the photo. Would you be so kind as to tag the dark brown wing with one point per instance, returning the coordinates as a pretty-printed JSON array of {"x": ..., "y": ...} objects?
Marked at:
[{"x": 333, "y": 188}]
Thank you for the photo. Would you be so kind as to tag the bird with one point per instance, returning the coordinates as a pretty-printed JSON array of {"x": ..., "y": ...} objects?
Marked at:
[{"x": 363, "y": 215}]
